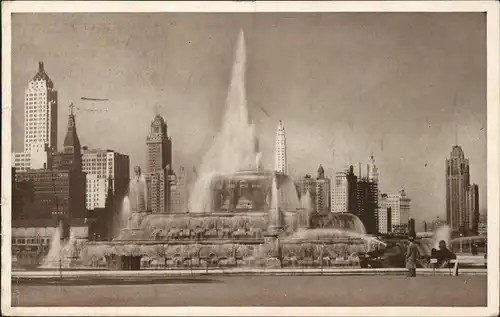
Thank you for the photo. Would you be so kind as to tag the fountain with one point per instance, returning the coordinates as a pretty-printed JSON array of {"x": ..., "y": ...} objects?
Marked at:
[
  {"x": 62, "y": 254},
  {"x": 237, "y": 210},
  {"x": 133, "y": 207},
  {"x": 442, "y": 233}
]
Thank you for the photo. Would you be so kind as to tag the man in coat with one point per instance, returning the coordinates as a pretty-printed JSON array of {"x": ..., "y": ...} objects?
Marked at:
[{"x": 411, "y": 257}]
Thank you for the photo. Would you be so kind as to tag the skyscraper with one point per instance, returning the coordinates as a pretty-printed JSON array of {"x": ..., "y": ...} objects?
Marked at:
[
  {"x": 472, "y": 217},
  {"x": 158, "y": 166},
  {"x": 280, "y": 162},
  {"x": 101, "y": 167},
  {"x": 372, "y": 170},
  {"x": 367, "y": 197},
  {"x": 40, "y": 123},
  {"x": 318, "y": 188},
  {"x": 457, "y": 184},
  {"x": 344, "y": 191},
  {"x": 400, "y": 208}
]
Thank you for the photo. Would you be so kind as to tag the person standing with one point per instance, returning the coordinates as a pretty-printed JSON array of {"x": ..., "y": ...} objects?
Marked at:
[{"x": 411, "y": 257}]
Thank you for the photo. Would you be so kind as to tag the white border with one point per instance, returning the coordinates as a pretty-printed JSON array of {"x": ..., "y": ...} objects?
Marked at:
[{"x": 493, "y": 142}]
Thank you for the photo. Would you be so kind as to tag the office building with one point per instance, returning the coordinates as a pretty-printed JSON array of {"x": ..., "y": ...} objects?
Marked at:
[
  {"x": 472, "y": 217},
  {"x": 457, "y": 184},
  {"x": 344, "y": 191},
  {"x": 40, "y": 123},
  {"x": 102, "y": 167},
  {"x": 159, "y": 166}
]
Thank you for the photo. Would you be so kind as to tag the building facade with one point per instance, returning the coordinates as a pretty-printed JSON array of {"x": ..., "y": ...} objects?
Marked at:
[
  {"x": 159, "y": 163},
  {"x": 457, "y": 184},
  {"x": 40, "y": 123},
  {"x": 318, "y": 188},
  {"x": 472, "y": 217},
  {"x": 344, "y": 191},
  {"x": 384, "y": 214},
  {"x": 400, "y": 209},
  {"x": 483, "y": 225},
  {"x": 178, "y": 194},
  {"x": 104, "y": 168},
  {"x": 367, "y": 204}
]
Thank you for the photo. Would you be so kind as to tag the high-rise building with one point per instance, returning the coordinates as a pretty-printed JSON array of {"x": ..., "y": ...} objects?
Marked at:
[
  {"x": 344, "y": 191},
  {"x": 367, "y": 204},
  {"x": 58, "y": 194},
  {"x": 457, "y": 184},
  {"x": 101, "y": 167},
  {"x": 372, "y": 170},
  {"x": 318, "y": 188},
  {"x": 400, "y": 208},
  {"x": 40, "y": 123},
  {"x": 322, "y": 199},
  {"x": 159, "y": 166},
  {"x": 384, "y": 214},
  {"x": 483, "y": 225},
  {"x": 280, "y": 163},
  {"x": 178, "y": 195},
  {"x": 472, "y": 218}
]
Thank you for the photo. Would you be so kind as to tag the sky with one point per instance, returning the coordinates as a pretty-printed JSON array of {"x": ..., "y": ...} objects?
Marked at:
[{"x": 401, "y": 86}]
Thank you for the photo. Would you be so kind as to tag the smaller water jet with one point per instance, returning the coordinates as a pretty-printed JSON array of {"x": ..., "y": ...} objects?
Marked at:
[{"x": 442, "y": 233}]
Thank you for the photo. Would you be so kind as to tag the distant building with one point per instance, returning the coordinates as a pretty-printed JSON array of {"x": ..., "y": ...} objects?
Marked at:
[
  {"x": 483, "y": 225},
  {"x": 367, "y": 204},
  {"x": 457, "y": 184},
  {"x": 384, "y": 214},
  {"x": 372, "y": 171},
  {"x": 472, "y": 217},
  {"x": 178, "y": 191},
  {"x": 101, "y": 167},
  {"x": 159, "y": 166},
  {"x": 393, "y": 212},
  {"x": 40, "y": 123},
  {"x": 400, "y": 209},
  {"x": 344, "y": 192},
  {"x": 318, "y": 188}
]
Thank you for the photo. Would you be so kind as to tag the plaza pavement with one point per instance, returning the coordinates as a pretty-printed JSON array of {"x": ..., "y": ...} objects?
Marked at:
[{"x": 221, "y": 290}]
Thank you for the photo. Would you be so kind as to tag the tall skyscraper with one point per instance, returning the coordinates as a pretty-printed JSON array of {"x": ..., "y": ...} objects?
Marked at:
[
  {"x": 472, "y": 217},
  {"x": 384, "y": 214},
  {"x": 367, "y": 197},
  {"x": 318, "y": 188},
  {"x": 372, "y": 170},
  {"x": 178, "y": 194},
  {"x": 344, "y": 191},
  {"x": 158, "y": 166},
  {"x": 367, "y": 204},
  {"x": 40, "y": 123},
  {"x": 101, "y": 167},
  {"x": 280, "y": 150},
  {"x": 400, "y": 208},
  {"x": 457, "y": 184}
]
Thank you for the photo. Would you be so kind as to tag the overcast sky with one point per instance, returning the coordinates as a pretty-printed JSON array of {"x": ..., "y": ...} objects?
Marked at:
[{"x": 345, "y": 85}]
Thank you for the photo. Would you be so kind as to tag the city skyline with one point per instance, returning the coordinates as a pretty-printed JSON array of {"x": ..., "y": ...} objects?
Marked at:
[{"x": 312, "y": 131}]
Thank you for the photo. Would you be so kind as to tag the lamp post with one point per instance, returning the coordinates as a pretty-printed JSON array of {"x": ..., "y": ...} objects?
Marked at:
[{"x": 461, "y": 242}]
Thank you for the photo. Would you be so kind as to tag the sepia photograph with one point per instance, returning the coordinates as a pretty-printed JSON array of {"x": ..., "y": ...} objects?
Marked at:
[{"x": 220, "y": 155}]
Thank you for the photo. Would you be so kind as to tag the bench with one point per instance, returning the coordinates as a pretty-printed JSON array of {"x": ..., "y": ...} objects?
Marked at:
[{"x": 458, "y": 261}]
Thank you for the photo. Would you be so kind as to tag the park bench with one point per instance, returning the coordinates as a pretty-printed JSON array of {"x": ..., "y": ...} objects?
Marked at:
[{"x": 456, "y": 263}]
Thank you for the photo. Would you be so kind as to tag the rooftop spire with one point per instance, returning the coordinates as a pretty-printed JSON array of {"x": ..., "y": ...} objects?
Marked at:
[{"x": 40, "y": 66}]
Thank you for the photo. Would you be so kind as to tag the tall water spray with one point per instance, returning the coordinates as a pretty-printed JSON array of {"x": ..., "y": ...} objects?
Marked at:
[
  {"x": 234, "y": 147},
  {"x": 442, "y": 233},
  {"x": 307, "y": 207},
  {"x": 54, "y": 256}
]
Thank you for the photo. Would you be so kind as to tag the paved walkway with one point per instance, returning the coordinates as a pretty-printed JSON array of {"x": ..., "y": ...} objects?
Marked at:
[{"x": 374, "y": 290}]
